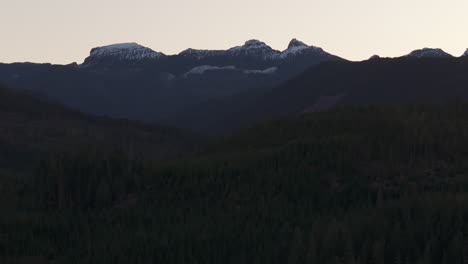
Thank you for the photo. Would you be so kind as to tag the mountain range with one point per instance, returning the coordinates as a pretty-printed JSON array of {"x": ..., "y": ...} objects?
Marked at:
[
  {"x": 211, "y": 90},
  {"x": 131, "y": 81},
  {"x": 253, "y": 53},
  {"x": 334, "y": 172},
  {"x": 251, "y": 50}
]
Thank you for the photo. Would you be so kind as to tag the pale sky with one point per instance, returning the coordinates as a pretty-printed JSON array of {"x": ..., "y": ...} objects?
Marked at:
[{"x": 64, "y": 31}]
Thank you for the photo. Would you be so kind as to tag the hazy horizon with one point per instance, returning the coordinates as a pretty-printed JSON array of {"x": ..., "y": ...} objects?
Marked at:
[{"x": 60, "y": 31}]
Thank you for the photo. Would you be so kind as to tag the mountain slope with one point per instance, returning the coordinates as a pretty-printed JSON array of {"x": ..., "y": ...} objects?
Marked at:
[
  {"x": 32, "y": 129},
  {"x": 332, "y": 84}
]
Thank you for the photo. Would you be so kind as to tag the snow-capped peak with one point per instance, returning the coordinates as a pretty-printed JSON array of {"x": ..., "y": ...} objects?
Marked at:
[
  {"x": 190, "y": 52},
  {"x": 254, "y": 43},
  {"x": 124, "y": 51},
  {"x": 254, "y": 48},
  {"x": 118, "y": 46},
  {"x": 258, "y": 50},
  {"x": 251, "y": 48},
  {"x": 428, "y": 52},
  {"x": 296, "y": 47},
  {"x": 296, "y": 43},
  {"x": 270, "y": 70}
]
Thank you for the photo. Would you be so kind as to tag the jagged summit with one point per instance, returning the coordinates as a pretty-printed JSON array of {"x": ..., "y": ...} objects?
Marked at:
[
  {"x": 252, "y": 44},
  {"x": 297, "y": 47},
  {"x": 254, "y": 48},
  {"x": 296, "y": 43},
  {"x": 251, "y": 48},
  {"x": 429, "y": 52},
  {"x": 204, "y": 68}
]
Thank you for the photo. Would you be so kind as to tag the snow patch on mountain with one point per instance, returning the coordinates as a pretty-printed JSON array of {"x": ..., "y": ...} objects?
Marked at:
[
  {"x": 428, "y": 52},
  {"x": 266, "y": 71},
  {"x": 202, "y": 69}
]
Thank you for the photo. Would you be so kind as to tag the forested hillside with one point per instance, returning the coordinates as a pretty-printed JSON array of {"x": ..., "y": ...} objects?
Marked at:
[
  {"x": 351, "y": 185},
  {"x": 34, "y": 132},
  {"x": 31, "y": 128}
]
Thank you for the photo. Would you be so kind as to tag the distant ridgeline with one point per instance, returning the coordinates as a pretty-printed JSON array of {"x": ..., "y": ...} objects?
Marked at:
[
  {"x": 217, "y": 90},
  {"x": 131, "y": 81}
]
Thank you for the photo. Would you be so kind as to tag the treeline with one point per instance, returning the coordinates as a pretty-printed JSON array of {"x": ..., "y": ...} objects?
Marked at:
[
  {"x": 353, "y": 185},
  {"x": 87, "y": 181}
]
